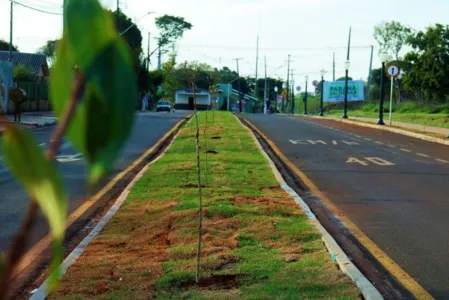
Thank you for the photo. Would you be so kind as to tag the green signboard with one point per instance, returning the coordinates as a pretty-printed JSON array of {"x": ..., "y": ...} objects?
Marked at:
[{"x": 335, "y": 91}]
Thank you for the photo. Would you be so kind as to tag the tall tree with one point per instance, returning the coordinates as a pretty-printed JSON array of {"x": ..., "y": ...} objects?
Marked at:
[
  {"x": 429, "y": 62},
  {"x": 49, "y": 50},
  {"x": 171, "y": 29},
  {"x": 391, "y": 37},
  {"x": 4, "y": 46},
  {"x": 133, "y": 35}
]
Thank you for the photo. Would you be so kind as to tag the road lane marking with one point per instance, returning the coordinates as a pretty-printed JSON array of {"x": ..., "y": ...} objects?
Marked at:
[
  {"x": 367, "y": 139},
  {"x": 374, "y": 160},
  {"x": 317, "y": 142},
  {"x": 389, "y": 264},
  {"x": 391, "y": 146},
  {"x": 379, "y": 161},
  {"x": 351, "y": 143},
  {"x": 380, "y": 143},
  {"x": 442, "y": 160},
  {"x": 422, "y": 154},
  {"x": 353, "y": 160},
  {"x": 359, "y": 136},
  {"x": 298, "y": 142},
  {"x": 405, "y": 150},
  {"x": 334, "y": 142}
]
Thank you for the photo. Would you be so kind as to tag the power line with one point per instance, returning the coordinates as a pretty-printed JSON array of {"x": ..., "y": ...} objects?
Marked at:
[
  {"x": 273, "y": 49},
  {"x": 37, "y": 9}
]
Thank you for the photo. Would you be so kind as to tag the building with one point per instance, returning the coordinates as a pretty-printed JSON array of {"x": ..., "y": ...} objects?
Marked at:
[
  {"x": 36, "y": 62},
  {"x": 227, "y": 94},
  {"x": 184, "y": 99}
]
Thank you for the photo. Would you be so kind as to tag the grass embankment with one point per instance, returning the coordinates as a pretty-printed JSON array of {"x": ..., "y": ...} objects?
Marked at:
[
  {"x": 407, "y": 112},
  {"x": 257, "y": 244}
]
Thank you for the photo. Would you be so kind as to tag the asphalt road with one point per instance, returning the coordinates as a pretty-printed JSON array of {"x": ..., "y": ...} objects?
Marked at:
[
  {"x": 393, "y": 187},
  {"x": 148, "y": 129}
]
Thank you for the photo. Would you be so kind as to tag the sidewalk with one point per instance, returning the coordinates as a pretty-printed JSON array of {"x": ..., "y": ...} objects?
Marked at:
[
  {"x": 30, "y": 120},
  {"x": 257, "y": 243}
]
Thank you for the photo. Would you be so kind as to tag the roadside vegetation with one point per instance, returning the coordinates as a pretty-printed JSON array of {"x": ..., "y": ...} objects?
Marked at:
[
  {"x": 436, "y": 115},
  {"x": 257, "y": 244}
]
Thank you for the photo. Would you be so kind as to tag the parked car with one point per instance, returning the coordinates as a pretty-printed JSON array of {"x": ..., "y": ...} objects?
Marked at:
[{"x": 163, "y": 106}]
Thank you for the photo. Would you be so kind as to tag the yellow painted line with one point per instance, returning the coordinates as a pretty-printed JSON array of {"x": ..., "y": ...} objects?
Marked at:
[
  {"x": 45, "y": 242},
  {"x": 403, "y": 277},
  {"x": 442, "y": 160},
  {"x": 406, "y": 150},
  {"x": 422, "y": 154}
]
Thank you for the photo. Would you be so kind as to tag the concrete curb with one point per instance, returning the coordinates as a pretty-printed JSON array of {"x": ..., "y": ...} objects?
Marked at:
[
  {"x": 365, "y": 286},
  {"x": 385, "y": 128},
  {"x": 41, "y": 293}
]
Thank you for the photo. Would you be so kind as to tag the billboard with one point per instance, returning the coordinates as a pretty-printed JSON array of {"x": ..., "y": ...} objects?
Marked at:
[{"x": 335, "y": 91}]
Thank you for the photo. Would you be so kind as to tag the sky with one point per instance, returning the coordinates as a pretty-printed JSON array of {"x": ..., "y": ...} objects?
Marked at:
[{"x": 311, "y": 31}]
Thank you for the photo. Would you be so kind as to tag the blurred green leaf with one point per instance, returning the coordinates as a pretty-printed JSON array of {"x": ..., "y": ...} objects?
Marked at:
[
  {"x": 88, "y": 29},
  {"x": 110, "y": 109},
  {"x": 104, "y": 116},
  {"x": 39, "y": 176}
]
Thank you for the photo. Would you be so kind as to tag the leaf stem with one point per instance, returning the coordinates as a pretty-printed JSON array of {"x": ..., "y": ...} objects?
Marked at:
[{"x": 20, "y": 240}]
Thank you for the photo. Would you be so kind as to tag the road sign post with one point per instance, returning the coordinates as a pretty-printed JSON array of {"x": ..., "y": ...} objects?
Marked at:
[{"x": 394, "y": 72}]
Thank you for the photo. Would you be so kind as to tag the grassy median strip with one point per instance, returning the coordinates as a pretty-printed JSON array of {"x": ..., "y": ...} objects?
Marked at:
[{"x": 257, "y": 243}]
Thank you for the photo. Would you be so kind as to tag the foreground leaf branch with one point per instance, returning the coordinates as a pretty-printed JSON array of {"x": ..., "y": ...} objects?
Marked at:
[{"x": 19, "y": 145}]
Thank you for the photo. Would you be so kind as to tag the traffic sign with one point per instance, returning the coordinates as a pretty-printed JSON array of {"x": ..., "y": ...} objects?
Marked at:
[
  {"x": 315, "y": 83},
  {"x": 393, "y": 71},
  {"x": 298, "y": 88}
]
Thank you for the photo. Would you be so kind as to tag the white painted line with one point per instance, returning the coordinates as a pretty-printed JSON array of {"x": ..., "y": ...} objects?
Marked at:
[
  {"x": 346, "y": 265},
  {"x": 391, "y": 146},
  {"x": 41, "y": 292},
  {"x": 380, "y": 143},
  {"x": 405, "y": 150},
  {"x": 422, "y": 154},
  {"x": 359, "y": 136},
  {"x": 442, "y": 160},
  {"x": 367, "y": 139}
]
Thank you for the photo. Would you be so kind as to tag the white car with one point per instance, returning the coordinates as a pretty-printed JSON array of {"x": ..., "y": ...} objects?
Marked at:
[{"x": 163, "y": 106}]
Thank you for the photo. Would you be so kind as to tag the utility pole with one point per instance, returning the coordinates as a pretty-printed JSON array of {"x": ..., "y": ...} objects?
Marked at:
[
  {"x": 368, "y": 88},
  {"x": 265, "y": 89},
  {"x": 333, "y": 68},
  {"x": 118, "y": 15},
  {"x": 159, "y": 58},
  {"x": 288, "y": 85},
  {"x": 148, "y": 51},
  {"x": 257, "y": 68},
  {"x": 293, "y": 93},
  {"x": 238, "y": 84},
  {"x": 10, "y": 31}
]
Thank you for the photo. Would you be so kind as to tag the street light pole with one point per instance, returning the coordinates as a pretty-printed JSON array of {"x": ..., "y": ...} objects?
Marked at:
[
  {"x": 134, "y": 24},
  {"x": 383, "y": 59},
  {"x": 276, "y": 100},
  {"x": 345, "y": 114},
  {"x": 322, "y": 72},
  {"x": 305, "y": 97}
]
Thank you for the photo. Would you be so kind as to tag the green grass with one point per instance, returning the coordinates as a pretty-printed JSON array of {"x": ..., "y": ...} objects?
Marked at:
[
  {"x": 407, "y": 112},
  {"x": 254, "y": 232}
]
